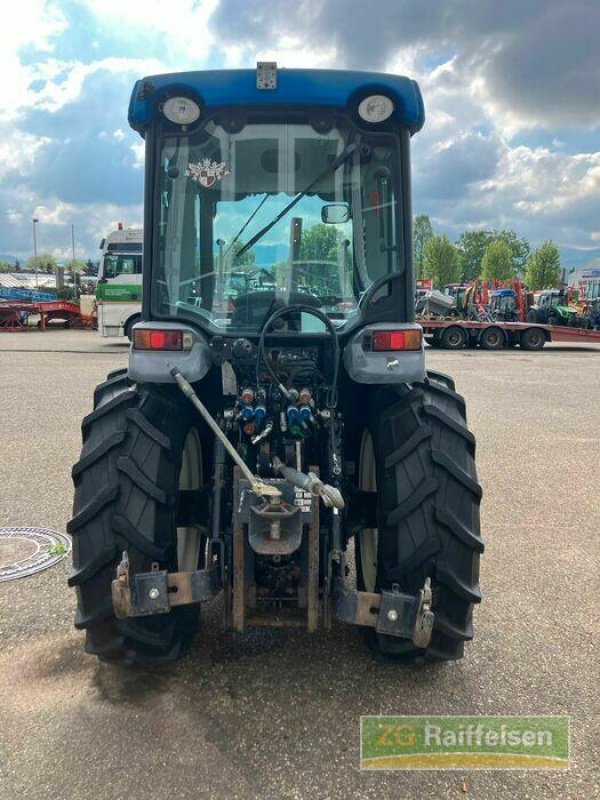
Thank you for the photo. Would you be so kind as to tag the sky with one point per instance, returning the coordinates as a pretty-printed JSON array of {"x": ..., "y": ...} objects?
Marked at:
[{"x": 510, "y": 89}]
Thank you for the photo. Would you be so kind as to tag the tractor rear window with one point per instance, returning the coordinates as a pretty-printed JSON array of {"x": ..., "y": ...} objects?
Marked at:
[{"x": 274, "y": 214}]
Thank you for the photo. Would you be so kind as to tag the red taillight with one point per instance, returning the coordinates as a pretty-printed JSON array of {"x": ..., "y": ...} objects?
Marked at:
[
  {"x": 157, "y": 340},
  {"x": 396, "y": 340}
]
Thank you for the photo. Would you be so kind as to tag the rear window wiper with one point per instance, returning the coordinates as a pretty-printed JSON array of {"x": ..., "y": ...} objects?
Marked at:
[{"x": 336, "y": 164}]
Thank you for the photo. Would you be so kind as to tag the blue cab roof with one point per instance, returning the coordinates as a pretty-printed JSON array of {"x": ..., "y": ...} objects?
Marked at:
[{"x": 328, "y": 88}]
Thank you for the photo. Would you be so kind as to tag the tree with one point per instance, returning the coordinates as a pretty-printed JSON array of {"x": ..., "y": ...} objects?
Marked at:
[
  {"x": 5, "y": 266},
  {"x": 497, "y": 261},
  {"x": 473, "y": 244},
  {"x": 544, "y": 268},
  {"x": 422, "y": 233},
  {"x": 75, "y": 265},
  {"x": 441, "y": 261},
  {"x": 42, "y": 263},
  {"x": 319, "y": 243},
  {"x": 321, "y": 246},
  {"x": 519, "y": 249}
]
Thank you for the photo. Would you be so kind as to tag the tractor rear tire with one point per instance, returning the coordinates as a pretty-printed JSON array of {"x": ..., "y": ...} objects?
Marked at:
[
  {"x": 126, "y": 484},
  {"x": 428, "y": 511}
]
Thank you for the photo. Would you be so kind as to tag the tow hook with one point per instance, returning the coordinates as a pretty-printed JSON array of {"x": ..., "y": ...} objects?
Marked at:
[
  {"x": 121, "y": 592},
  {"x": 424, "y": 619}
]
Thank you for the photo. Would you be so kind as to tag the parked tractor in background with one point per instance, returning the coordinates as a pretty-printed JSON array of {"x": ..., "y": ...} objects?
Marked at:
[
  {"x": 257, "y": 438},
  {"x": 551, "y": 307},
  {"x": 495, "y": 314},
  {"x": 511, "y": 303}
]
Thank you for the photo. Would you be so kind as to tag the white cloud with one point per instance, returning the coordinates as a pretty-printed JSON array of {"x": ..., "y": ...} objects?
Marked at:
[
  {"x": 184, "y": 24},
  {"x": 32, "y": 23},
  {"x": 18, "y": 150},
  {"x": 138, "y": 150},
  {"x": 57, "y": 93},
  {"x": 483, "y": 68},
  {"x": 548, "y": 182},
  {"x": 293, "y": 52}
]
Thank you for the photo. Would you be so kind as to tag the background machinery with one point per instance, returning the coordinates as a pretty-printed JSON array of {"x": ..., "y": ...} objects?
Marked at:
[
  {"x": 494, "y": 315},
  {"x": 119, "y": 287}
]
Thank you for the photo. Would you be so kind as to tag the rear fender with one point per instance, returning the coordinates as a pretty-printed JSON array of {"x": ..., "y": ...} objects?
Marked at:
[
  {"x": 364, "y": 365},
  {"x": 154, "y": 366}
]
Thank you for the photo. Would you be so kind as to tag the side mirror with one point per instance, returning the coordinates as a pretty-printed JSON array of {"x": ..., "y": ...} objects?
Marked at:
[{"x": 335, "y": 213}]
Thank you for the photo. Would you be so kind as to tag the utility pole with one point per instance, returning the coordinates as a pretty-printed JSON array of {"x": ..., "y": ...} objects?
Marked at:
[
  {"x": 73, "y": 243},
  {"x": 34, "y": 222}
]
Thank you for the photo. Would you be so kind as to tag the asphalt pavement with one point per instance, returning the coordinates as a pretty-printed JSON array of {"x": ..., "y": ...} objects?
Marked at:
[{"x": 275, "y": 714}]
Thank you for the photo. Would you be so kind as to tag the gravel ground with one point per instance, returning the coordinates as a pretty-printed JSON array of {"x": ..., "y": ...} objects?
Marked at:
[{"x": 275, "y": 714}]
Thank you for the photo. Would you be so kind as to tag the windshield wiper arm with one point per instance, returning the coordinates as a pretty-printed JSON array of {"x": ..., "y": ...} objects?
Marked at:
[
  {"x": 245, "y": 225},
  {"x": 343, "y": 156}
]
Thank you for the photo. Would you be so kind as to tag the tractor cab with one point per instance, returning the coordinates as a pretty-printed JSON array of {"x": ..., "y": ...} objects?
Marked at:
[
  {"x": 551, "y": 307},
  {"x": 458, "y": 292},
  {"x": 303, "y": 182},
  {"x": 503, "y": 305}
]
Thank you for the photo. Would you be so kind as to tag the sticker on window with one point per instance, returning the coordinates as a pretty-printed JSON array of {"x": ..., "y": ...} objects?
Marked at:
[{"x": 207, "y": 172}]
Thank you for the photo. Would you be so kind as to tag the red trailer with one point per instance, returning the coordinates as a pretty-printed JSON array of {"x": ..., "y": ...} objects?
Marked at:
[
  {"x": 454, "y": 334},
  {"x": 13, "y": 315}
]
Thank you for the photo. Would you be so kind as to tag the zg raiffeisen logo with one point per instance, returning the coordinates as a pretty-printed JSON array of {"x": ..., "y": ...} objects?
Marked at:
[{"x": 464, "y": 742}]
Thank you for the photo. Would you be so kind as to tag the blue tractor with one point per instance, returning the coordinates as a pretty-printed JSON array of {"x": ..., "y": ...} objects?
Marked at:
[{"x": 259, "y": 438}]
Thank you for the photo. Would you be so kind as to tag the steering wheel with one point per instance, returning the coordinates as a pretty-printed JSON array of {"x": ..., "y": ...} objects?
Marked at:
[{"x": 252, "y": 309}]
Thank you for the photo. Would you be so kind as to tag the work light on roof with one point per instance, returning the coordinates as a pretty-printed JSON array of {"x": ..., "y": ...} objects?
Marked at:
[
  {"x": 375, "y": 108},
  {"x": 181, "y": 110}
]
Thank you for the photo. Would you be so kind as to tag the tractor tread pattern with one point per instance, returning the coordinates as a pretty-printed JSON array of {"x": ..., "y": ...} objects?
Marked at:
[
  {"x": 423, "y": 491},
  {"x": 134, "y": 473},
  {"x": 445, "y": 461},
  {"x": 98, "y": 452},
  {"x": 92, "y": 509},
  {"x": 446, "y": 419},
  {"x": 100, "y": 613},
  {"x": 470, "y": 592},
  {"x": 407, "y": 447},
  {"x": 441, "y": 377},
  {"x": 119, "y": 507},
  {"x": 447, "y": 518},
  {"x": 131, "y": 534},
  {"x": 92, "y": 567},
  {"x": 443, "y": 391},
  {"x": 428, "y": 510},
  {"x": 125, "y": 398},
  {"x": 148, "y": 428},
  {"x": 115, "y": 373},
  {"x": 110, "y": 384},
  {"x": 428, "y": 548},
  {"x": 451, "y": 629}
]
